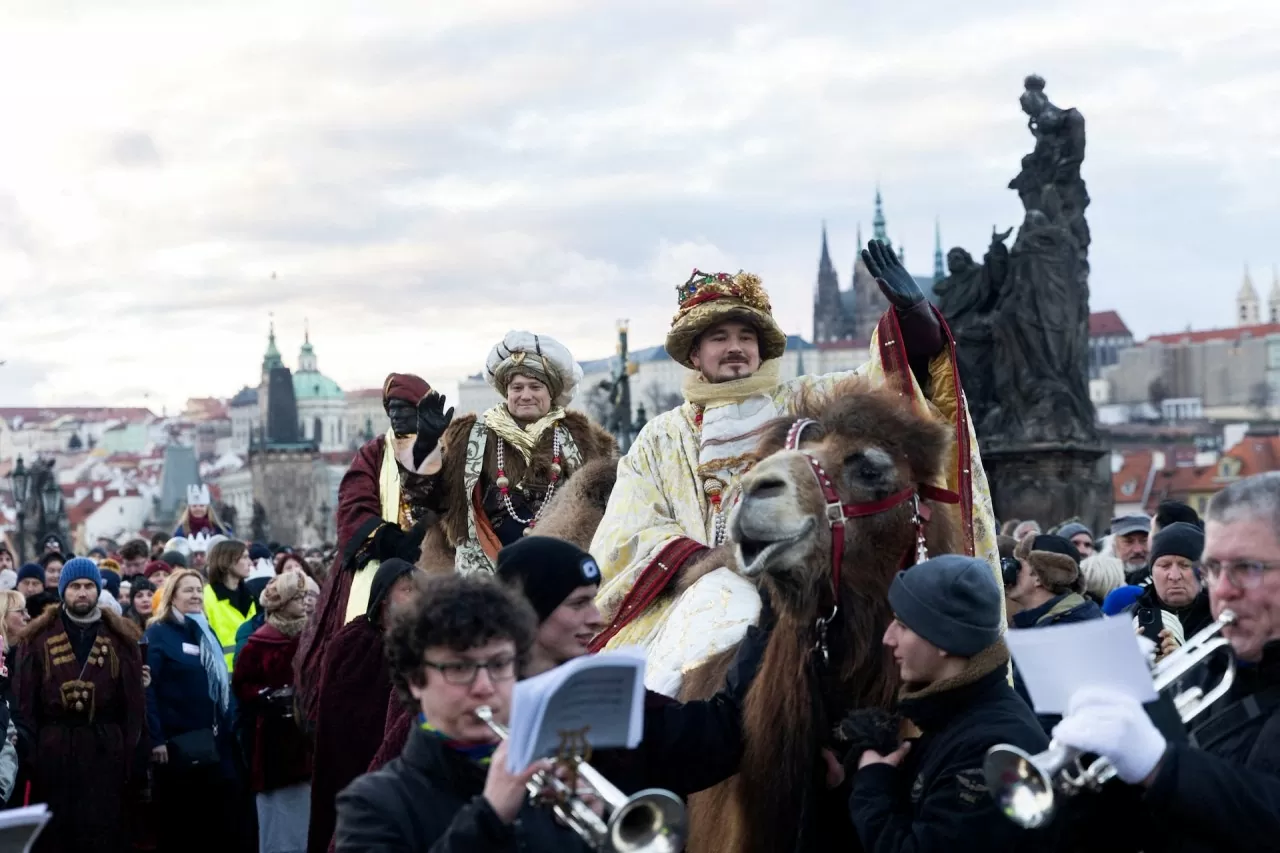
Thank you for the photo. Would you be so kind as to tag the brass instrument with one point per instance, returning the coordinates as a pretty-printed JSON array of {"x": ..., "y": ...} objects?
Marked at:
[
  {"x": 651, "y": 821},
  {"x": 1024, "y": 785}
]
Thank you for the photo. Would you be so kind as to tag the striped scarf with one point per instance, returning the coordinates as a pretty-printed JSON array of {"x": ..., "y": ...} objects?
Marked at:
[{"x": 480, "y": 753}]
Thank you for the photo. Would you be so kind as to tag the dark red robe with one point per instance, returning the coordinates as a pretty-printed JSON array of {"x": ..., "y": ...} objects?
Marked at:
[
  {"x": 354, "y": 684},
  {"x": 88, "y": 716},
  {"x": 359, "y": 514}
]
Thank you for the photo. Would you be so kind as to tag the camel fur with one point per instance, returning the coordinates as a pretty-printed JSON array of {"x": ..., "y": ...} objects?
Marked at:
[{"x": 872, "y": 444}]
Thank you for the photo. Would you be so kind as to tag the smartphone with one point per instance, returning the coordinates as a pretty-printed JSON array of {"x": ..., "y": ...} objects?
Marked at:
[{"x": 1150, "y": 623}]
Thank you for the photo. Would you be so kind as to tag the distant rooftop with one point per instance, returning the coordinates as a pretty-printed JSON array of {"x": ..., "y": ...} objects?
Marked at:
[
  {"x": 1107, "y": 323},
  {"x": 1232, "y": 334},
  {"x": 40, "y": 414}
]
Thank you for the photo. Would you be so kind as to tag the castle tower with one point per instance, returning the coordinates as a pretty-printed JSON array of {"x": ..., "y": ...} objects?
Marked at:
[
  {"x": 1248, "y": 309},
  {"x": 939, "y": 266},
  {"x": 868, "y": 302},
  {"x": 878, "y": 230},
  {"x": 1274, "y": 299},
  {"x": 307, "y": 355}
]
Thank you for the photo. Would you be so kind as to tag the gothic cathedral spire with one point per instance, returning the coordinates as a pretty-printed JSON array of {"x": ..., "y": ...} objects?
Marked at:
[
  {"x": 939, "y": 269},
  {"x": 878, "y": 231},
  {"x": 826, "y": 297}
]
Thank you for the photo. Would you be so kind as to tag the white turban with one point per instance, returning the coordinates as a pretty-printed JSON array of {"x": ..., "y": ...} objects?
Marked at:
[{"x": 539, "y": 356}]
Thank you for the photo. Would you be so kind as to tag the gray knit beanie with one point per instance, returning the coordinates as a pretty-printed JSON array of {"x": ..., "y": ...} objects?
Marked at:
[{"x": 952, "y": 601}]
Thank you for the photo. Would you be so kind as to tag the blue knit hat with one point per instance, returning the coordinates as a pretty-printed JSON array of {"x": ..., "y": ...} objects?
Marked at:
[
  {"x": 79, "y": 569},
  {"x": 952, "y": 601},
  {"x": 31, "y": 570}
]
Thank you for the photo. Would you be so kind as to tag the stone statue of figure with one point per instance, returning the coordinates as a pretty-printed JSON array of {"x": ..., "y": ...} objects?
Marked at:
[
  {"x": 1054, "y": 163},
  {"x": 967, "y": 298},
  {"x": 1020, "y": 319}
]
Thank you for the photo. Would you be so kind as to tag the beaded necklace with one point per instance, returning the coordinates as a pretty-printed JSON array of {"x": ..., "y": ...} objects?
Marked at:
[
  {"x": 504, "y": 484},
  {"x": 712, "y": 486}
]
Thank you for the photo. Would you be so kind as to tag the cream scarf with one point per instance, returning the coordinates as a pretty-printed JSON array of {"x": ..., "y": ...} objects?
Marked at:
[
  {"x": 700, "y": 392},
  {"x": 523, "y": 439}
]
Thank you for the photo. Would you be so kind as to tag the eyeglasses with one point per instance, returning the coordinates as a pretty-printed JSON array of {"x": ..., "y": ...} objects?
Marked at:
[
  {"x": 1243, "y": 574},
  {"x": 464, "y": 672}
]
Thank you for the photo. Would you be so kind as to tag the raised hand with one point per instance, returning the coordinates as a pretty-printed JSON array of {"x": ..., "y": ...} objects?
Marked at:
[
  {"x": 433, "y": 420},
  {"x": 895, "y": 282}
]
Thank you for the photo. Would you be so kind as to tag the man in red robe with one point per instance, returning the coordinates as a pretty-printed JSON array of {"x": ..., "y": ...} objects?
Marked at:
[{"x": 385, "y": 503}]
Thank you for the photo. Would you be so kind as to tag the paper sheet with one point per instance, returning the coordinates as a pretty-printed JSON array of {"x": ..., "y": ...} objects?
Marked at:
[
  {"x": 600, "y": 695},
  {"x": 19, "y": 828},
  {"x": 1057, "y": 661}
]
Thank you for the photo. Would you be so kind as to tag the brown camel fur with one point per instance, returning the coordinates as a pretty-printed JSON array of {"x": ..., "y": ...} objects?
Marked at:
[{"x": 872, "y": 444}]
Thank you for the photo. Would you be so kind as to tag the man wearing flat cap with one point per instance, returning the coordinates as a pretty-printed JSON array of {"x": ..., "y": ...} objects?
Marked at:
[
  {"x": 385, "y": 504},
  {"x": 661, "y": 544}
]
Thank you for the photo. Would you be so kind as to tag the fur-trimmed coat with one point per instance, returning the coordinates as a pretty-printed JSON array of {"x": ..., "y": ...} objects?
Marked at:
[
  {"x": 594, "y": 443},
  {"x": 81, "y": 689}
]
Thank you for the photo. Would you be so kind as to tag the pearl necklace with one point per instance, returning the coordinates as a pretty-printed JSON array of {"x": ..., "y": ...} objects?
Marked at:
[
  {"x": 713, "y": 487},
  {"x": 504, "y": 484}
]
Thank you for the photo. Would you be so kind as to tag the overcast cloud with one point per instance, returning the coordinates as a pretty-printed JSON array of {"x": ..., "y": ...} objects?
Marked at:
[{"x": 424, "y": 177}]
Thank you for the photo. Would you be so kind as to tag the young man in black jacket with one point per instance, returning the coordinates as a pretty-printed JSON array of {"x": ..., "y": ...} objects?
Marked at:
[
  {"x": 687, "y": 747},
  {"x": 1221, "y": 791},
  {"x": 458, "y": 648},
  {"x": 929, "y": 794}
]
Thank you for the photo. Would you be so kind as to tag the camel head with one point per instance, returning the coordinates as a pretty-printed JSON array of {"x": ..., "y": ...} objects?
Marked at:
[{"x": 872, "y": 445}]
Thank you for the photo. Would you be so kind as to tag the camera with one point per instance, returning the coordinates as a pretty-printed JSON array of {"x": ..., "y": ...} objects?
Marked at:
[{"x": 1009, "y": 569}]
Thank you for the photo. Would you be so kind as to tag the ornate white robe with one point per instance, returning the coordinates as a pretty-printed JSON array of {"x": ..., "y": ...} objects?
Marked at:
[{"x": 660, "y": 513}]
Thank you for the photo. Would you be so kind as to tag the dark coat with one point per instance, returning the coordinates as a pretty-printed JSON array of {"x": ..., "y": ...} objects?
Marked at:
[
  {"x": 85, "y": 745},
  {"x": 1223, "y": 792},
  {"x": 429, "y": 799},
  {"x": 281, "y": 754},
  {"x": 354, "y": 687},
  {"x": 1068, "y": 607},
  {"x": 178, "y": 699},
  {"x": 937, "y": 800}
]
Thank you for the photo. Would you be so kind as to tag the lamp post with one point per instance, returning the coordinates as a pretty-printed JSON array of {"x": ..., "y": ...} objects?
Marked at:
[
  {"x": 50, "y": 500},
  {"x": 21, "y": 481}
]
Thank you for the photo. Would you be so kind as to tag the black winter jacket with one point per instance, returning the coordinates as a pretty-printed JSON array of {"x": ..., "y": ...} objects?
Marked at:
[
  {"x": 1223, "y": 792},
  {"x": 938, "y": 800},
  {"x": 429, "y": 799}
]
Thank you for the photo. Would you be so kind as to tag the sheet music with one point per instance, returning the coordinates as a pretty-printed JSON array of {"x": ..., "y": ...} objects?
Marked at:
[
  {"x": 19, "y": 828},
  {"x": 1056, "y": 661}
]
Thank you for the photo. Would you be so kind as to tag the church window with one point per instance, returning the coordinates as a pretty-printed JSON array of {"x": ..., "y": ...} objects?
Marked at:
[{"x": 318, "y": 434}]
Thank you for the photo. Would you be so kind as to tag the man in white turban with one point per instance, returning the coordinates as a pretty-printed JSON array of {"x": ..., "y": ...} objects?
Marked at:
[{"x": 501, "y": 468}]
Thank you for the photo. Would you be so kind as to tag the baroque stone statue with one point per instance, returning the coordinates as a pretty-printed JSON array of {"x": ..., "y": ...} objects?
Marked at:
[{"x": 1021, "y": 323}]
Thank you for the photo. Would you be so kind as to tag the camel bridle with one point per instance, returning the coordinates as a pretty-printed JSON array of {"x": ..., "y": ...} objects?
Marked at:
[{"x": 838, "y": 512}]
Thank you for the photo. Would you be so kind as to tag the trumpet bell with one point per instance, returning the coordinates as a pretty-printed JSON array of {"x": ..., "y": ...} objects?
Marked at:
[
  {"x": 652, "y": 821},
  {"x": 1021, "y": 788}
]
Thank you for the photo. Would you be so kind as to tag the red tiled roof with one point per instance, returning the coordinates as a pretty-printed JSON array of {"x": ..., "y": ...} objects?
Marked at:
[
  {"x": 1107, "y": 323},
  {"x": 1130, "y": 482},
  {"x": 1231, "y": 335}
]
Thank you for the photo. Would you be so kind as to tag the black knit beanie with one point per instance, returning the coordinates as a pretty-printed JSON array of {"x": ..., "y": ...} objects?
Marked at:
[
  {"x": 547, "y": 570},
  {"x": 1180, "y": 539}
]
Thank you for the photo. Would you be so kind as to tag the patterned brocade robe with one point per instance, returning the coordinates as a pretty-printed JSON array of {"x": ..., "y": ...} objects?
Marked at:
[{"x": 678, "y": 483}]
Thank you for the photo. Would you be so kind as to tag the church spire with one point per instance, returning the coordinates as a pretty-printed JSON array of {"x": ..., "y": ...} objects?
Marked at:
[
  {"x": 826, "y": 297},
  {"x": 878, "y": 231},
  {"x": 1273, "y": 301},
  {"x": 271, "y": 358},
  {"x": 307, "y": 355},
  {"x": 939, "y": 269},
  {"x": 1247, "y": 308},
  {"x": 824, "y": 263}
]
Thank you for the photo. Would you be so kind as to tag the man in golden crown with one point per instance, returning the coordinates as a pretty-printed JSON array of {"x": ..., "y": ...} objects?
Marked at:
[{"x": 667, "y": 582}]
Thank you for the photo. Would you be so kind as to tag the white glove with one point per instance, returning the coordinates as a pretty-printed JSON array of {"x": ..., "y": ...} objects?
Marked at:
[
  {"x": 1116, "y": 727},
  {"x": 1148, "y": 647}
]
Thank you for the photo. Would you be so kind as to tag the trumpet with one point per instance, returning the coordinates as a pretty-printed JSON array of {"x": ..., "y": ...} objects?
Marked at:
[
  {"x": 1024, "y": 785},
  {"x": 651, "y": 821}
]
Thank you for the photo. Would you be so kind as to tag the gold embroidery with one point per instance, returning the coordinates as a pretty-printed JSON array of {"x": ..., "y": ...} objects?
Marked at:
[{"x": 61, "y": 659}]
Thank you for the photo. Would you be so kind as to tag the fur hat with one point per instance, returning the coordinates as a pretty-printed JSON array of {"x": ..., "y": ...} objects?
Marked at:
[
  {"x": 404, "y": 387},
  {"x": 539, "y": 356},
  {"x": 706, "y": 299},
  {"x": 281, "y": 590},
  {"x": 1053, "y": 560}
]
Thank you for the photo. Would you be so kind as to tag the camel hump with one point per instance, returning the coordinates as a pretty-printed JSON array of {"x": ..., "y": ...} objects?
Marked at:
[{"x": 575, "y": 510}]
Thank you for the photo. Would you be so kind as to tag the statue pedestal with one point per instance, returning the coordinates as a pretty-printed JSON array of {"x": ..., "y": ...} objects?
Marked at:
[{"x": 1050, "y": 483}]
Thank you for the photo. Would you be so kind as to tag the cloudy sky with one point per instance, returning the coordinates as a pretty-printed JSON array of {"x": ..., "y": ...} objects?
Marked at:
[{"x": 421, "y": 177}]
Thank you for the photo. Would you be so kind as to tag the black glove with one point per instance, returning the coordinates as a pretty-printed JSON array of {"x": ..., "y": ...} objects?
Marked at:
[
  {"x": 411, "y": 545},
  {"x": 390, "y": 541},
  {"x": 895, "y": 282},
  {"x": 867, "y": 728},
  {"x": 921, "y": 333},
  {"x": 433, "y": 420}
]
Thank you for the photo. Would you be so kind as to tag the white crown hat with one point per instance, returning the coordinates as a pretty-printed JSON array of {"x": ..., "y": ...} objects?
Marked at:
[
  {"x": 198, "y": 495},
  {"x": 200, "y": 543}
]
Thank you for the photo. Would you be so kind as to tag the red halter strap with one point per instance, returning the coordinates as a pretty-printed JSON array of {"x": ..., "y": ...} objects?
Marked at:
[{"x": 837, "y": 512}]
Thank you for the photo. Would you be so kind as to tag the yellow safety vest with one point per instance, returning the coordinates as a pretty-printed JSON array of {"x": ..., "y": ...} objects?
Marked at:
[{"x": 225, "y": 620}]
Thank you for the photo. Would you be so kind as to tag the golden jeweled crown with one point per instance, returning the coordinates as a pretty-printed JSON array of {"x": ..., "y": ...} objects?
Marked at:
[{"x": 705, "y": 287}]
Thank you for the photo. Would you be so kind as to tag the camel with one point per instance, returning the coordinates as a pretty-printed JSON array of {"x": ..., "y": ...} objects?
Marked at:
[{"x": 820, "y": 665}]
